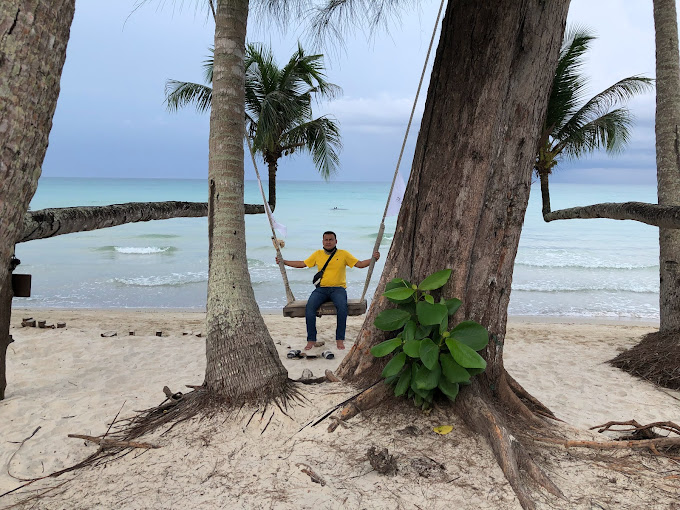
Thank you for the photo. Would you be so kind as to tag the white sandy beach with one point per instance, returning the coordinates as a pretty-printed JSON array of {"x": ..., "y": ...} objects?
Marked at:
[{"x": 74, "y": 381}]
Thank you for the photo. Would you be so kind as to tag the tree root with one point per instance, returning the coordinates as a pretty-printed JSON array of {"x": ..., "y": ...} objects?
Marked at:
[
  {"x": 643, "y": 431},
  {"x": 480, "y": 416},
  {"x": 535, "y": 405},
  {"x": 639, "y": 437},
  {"x": 660, "y": 442},
  {"x": 368, "y": 399}
]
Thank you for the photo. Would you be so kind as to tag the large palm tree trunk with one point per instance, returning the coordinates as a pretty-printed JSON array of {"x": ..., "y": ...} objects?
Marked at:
[
  {"x": 668, "y": 156},
  {"x": 242, "y": 362},
  {"x": 469, "y": 187},
  {"x": 33, "y": 38}
]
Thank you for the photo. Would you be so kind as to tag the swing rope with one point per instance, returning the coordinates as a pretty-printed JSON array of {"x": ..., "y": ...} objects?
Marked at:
[
  {"x": 381, "y": 230},
  {"x": 282, "y": 267}
]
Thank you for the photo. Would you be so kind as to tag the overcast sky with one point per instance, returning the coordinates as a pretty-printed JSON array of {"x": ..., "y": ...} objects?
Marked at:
[{"x": 111, "y": 120}]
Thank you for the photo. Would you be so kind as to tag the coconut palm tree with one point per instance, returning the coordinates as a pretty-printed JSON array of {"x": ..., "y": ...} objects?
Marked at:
[
  {"x": 279, "y": 116},
  {"x": 573, "y": 126}
]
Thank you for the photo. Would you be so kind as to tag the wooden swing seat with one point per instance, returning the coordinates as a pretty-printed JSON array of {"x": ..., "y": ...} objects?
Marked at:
[{"x": 297, "y": 308}]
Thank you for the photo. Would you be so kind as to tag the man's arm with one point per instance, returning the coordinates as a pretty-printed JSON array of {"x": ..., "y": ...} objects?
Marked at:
[
  {"x": 367, "y": 262},
  {"x": 293, "y": 263}
]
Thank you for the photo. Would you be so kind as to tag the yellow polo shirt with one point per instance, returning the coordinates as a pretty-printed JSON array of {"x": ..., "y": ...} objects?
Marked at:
[{"x": 334, "y": 275}]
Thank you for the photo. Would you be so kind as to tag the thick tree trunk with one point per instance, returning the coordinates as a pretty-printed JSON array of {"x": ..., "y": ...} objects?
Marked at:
[
  {"x": 668, "y": 156},
  {"x": 469, "y": 185},
  {"x": 666, "y": 216},
  {"x": 68, "y": 220},
  {"x": 33, "y": 39},
  {"x": 242, "y": 362},
  {"x": 468, "y": 192},
  {"x": 5, "y": 338}
]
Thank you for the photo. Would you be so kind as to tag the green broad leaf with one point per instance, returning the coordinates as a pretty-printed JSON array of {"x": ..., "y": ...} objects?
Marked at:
[
  {"x": 472, "y": 334},
  {"x": 450, "y": 389},
  {"x": 409, "y": 306},
  {"x": 429, "y": 353},
  {"x": 418, "y": 400},
  {"x": 412, "y": 348},
  {"x": 452, "y": 370},
  {"x": 427, "y": 379},
  {"x": 430, "y": 314},
  {"x": 464, "y": 355},
  {"x": 453, "y": 305},
  {"x": 428, "y": 298},
  {"x": 391, "y": 320},
  {"x": 409, "y": 332},
  {"x": 429, "y": 396},
  {"x": 386, "y": 347},
  {"x": 403, "y": 383},
  {"x": 391, "y": 379},
  {"x": 436, "y": 280},
  {"x": 394, "y": 366},
  {"x": 399, "y": 294},
  {"x": 422, "y": 332},
  {"x": 398, "y": 283},
  {"x": 444, "y": 325},
  {"x": 475, "y": 371}
]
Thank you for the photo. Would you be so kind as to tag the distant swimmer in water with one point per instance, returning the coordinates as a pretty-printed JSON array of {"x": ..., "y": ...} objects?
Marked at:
[{"x": 338, "y": 209}]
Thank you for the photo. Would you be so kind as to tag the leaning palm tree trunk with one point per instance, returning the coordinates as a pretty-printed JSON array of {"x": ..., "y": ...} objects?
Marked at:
[
  {"x": 668, "y": 157},
  {"x": 46, "y": 223},
  {"x": 242, "y": 362},
  {"x": 663, "y": 216}
]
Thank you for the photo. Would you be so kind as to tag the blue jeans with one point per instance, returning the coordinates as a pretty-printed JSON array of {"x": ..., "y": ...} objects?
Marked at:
[{"x": 320, "y": 295}]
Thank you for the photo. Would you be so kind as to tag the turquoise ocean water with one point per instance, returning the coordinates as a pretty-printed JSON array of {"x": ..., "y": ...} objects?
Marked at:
[{"x": 578, "y": 268}]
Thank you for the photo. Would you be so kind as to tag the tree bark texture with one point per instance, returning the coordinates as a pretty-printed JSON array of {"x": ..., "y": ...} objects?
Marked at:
[
  {"x": 469, "y": 186},
  {"x": 68, "y": 220},
  {"x": 33, "y": 39},
  {"x": 543, "y": 176},
  {"x": 272, "y": 166},
  {"x": 668, "y": 156},
  {"x": 666, "y": 216},
  {"x": 242, "y": 362}
]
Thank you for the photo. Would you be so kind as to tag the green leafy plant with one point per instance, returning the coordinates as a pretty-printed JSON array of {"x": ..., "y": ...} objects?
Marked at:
[{"x": 427, "y": 356}]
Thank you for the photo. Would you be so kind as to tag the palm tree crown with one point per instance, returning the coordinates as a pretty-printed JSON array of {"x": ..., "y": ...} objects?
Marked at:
[
  {"x": 575, "y": 126},
  {"x": 279, "y": 116}
]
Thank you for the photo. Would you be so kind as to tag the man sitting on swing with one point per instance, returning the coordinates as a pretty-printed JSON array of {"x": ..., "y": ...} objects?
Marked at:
[{"x": 330, "y": 284}]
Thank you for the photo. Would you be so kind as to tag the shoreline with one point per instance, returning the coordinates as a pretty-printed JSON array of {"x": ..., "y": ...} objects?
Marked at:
[{"x": 512, "y": 319}]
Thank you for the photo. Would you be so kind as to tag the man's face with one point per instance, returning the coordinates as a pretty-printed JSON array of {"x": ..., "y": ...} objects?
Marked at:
[{"x": 329, "y": 242}]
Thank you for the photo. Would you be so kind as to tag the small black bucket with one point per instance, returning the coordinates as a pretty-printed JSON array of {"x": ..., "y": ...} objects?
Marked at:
[{"x": 21, "y": 285}]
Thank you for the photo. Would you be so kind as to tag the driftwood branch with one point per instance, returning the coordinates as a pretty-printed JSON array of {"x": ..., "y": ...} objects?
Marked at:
[
  {"x": 67, "y": 220},
  {"x": 634, "y": 427},
  {"x": 113, "y": 443},
  {"x": 664, "y": 216}
]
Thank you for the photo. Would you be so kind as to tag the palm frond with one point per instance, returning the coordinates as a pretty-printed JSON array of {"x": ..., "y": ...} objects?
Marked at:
[
  {"x": 568, "y": 83},
  {"x": 321, "y": 138},
  {"x": 179, "y": 94},
  {"x": 601, "y": 103},
  {"x": 575, "y": 126},
  {"x": 208, "y": 66},
  {"x": 610, "y": 131}
]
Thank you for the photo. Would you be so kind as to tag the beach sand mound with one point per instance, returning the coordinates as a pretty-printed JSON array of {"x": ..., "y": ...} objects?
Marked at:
[
  {"x": 74, "y": 381},
  {"x": 656, "y": 358}
]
